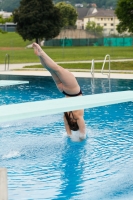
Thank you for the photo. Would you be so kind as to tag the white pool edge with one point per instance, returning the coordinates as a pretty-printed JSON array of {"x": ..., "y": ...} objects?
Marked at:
[{"x": 76, "y": 74}]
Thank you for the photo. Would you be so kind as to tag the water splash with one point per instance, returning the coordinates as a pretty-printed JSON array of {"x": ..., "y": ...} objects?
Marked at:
[{"x": 11, "y": 155}]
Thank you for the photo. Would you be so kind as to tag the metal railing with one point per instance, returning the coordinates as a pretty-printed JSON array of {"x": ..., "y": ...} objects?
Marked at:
[
  {"x": 7, "y": 60},
  {"x": 92, "y": 73},
  {"x": 92, "y": 68},
  {"x": 102, "y": 70},
  {"x": 108, "y": 74}
]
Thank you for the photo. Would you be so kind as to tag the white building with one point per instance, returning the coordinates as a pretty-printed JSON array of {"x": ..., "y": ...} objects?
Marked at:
[
  {"x": 103, "y": 17},
  {"x": 79, "y": 5},
  {"x": 5, "y": 14}
]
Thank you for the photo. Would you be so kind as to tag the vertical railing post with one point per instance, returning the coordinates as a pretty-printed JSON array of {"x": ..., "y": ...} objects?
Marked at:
[
  {"x": 92, "y": 73},
  {"x": 7, "y": 58},
  {"x": 104, "y": 65},
  {"x": 92, "y": 68},
  {"x": 108, "y": 74}
]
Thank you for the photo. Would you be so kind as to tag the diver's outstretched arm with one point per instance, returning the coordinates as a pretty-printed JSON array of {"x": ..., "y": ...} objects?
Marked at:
[
  {"x": 81, "y": 124},
  {"x": 68, "y": 130}
]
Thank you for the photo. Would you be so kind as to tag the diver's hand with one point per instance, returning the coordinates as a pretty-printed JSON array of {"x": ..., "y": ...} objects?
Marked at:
[{"x": 82, "y": 136}]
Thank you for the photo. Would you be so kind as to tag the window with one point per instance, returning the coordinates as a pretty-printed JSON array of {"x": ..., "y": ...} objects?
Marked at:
[
  {"x": 105, "y": 24},
  {"x": 112, "y": 29},
  {"x": 111, "y": 19},
  {"x": 98, "y": 24},
  {"x": 101, "y": 18},
  {"x": 112, "y": 24}
]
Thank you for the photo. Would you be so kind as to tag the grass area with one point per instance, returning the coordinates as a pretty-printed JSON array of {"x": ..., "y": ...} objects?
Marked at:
[
  {"x": 114, "y": 66},
  {"x": 24, "y": 55},
  {"x": 98, "y": 66},
  {"x": 13, "y": 44},
  {"x": 12, "y": 39}
]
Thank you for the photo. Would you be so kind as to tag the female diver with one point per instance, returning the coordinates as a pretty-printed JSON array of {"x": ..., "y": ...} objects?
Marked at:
[{"x": 68, "y": 85}]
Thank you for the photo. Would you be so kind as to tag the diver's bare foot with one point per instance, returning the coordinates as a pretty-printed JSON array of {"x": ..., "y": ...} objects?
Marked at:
[{"x": 37, "y": 49}]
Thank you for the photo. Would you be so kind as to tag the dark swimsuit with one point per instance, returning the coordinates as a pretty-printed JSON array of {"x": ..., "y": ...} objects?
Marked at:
[
  {"x": 70, "y": 119},
  {"x": 72, "y": 95}
]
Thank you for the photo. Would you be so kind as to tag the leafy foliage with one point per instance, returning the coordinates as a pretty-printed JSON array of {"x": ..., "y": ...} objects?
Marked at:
[
  {"x": 124, "y": 12},
  {"x": 4, "y": 20},
  {"x": 1, "y": 31},
  {"x": 37, "y": 19},
  {"x": 99, "y": 3},
  {"x": 93, "y": 28},
  {"x": 68, "y": 14}
]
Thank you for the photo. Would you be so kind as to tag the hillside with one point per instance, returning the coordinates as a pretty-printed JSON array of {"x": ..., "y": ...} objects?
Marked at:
[{"x": 10, "y": 5}]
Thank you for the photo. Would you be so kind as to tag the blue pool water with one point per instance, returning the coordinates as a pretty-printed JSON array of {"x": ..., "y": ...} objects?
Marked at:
[{"x": 43, "y": 164}]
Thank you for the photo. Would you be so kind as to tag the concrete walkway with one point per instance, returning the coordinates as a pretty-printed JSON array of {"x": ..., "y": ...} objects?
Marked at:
[
  {"x": 76, "y": 74},
  {"x": 17, "y": 69}
]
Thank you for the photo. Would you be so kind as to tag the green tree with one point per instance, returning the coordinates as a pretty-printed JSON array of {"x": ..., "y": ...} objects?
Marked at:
[
  {"x": 93, "y": 28},
  {"x": 124, "y": 12},
  {"x": 68, "y": 14},
  {"x": 4, "y": 20},
  {"x": 37, "y": 19}
]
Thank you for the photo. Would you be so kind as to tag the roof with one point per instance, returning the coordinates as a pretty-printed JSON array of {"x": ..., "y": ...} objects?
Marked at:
[
  {"x": 102, "y": 13},
  {"x": 94, "y": 12},
  {"x": 82, "y": 12}
]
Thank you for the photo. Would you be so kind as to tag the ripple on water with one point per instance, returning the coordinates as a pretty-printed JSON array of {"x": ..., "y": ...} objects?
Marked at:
[{"x": 43, "y": 163}]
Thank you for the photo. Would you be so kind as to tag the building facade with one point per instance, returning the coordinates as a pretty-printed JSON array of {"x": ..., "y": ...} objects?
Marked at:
[
  {"x": 103, "y": 17},
  {"x": 5, "y": 14}
]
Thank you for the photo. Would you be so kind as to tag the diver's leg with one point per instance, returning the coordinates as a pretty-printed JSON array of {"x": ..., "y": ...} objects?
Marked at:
[
  {"x": 45, "y": 59},
  {"x": 66, "y": 78}
]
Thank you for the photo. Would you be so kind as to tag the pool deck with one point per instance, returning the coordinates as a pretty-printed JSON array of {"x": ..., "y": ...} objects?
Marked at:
[{"x": 17, "y": 69}]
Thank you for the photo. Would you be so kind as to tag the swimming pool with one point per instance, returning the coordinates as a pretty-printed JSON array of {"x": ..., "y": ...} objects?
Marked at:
[{"x": 43, "y": 163}]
